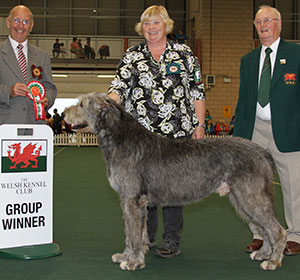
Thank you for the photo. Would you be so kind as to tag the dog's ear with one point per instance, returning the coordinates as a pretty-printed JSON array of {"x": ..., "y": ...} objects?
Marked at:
[
  {"x": 106, "y": 104},
  {"x": 114, "y": 114},
  {"x": 114, "y": 107},
  {"x": 109, "y": 110}
]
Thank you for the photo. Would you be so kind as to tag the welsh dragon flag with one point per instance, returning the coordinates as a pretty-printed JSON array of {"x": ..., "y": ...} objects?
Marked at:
[{"x": 24, "y": 156}]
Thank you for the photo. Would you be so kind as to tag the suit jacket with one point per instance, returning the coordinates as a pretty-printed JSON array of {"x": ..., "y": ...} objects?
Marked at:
[
  {"x": 284, "y": 96},
  {"x": 20, "y": 110}
]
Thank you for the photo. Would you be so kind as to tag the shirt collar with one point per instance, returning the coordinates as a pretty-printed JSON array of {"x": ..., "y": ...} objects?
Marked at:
[
  {"x": 274, "y": 46},
  {"x": 146, "y": 49},
  {"x": 14, "y": 43}
]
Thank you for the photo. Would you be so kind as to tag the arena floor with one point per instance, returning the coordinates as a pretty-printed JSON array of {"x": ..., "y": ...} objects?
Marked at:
[{"x": 88, "y": 227}]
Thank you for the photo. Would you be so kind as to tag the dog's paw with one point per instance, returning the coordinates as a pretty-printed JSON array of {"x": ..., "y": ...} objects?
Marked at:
[
  {"x": 270, "y": 265},
  {"x": 132, "y": 265},
  {"x": 253, "y": 255},
  {"x": 119, "y": 258},
  {"x": 260, "y": 255}
]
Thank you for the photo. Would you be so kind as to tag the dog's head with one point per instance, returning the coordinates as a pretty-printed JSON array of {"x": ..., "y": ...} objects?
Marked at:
[{"x": 90, "y": 109}]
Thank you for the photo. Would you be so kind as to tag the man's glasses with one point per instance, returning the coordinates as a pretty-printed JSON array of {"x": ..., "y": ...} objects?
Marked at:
[
  {"x": 24, "y": 21},
  {"x": 266, "y": 20}
]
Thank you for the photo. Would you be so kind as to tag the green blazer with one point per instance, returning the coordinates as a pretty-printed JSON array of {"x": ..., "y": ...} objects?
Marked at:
[{"x": 284, "y": 96}]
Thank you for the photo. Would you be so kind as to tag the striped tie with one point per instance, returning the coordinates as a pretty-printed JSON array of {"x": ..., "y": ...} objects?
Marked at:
[
  {"x": 22, "y": 61},
  {"x": 265, "y": 80}
]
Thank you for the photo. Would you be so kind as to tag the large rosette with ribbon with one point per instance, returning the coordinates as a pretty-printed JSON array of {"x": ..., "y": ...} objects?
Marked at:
[{"x": 36, "y": 93}]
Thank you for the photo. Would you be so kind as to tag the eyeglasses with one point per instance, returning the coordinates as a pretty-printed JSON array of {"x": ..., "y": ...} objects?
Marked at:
[
  {"x": 24, "y": 21},
  {"x": 266, "y": 20}
]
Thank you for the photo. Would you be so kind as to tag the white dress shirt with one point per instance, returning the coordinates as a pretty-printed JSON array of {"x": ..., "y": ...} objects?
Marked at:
[{"x": 15, "y": 44}]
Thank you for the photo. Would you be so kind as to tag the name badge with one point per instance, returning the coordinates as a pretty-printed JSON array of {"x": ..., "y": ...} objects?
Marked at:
[{"x": 173, "y": 68}]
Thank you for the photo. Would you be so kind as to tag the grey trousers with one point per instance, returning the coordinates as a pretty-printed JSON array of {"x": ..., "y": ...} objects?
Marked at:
[{"x": 288, "y": 167}]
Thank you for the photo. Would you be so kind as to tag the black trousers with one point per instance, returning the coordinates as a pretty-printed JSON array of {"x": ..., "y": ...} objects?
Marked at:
[{"x": 172, "y": 221}]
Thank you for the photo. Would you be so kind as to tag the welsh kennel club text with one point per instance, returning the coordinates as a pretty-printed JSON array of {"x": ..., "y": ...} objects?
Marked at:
[
  {"x": 31, "y": 218},
  {"x": 24, "y": 187}
]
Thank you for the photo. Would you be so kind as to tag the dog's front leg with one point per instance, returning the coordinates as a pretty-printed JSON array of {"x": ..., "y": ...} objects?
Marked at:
[{"x": 133, "y": 256}]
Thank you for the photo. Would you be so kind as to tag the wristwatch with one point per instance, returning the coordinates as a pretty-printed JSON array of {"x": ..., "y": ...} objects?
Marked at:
[{"x": 201, "y": 125}]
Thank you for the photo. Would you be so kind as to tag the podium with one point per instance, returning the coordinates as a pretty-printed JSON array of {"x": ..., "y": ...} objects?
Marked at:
[{"x": 26, "y": 192}]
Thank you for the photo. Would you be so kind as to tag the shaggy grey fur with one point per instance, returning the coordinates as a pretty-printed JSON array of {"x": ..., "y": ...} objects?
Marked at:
[{"x": 149, "y": 170}]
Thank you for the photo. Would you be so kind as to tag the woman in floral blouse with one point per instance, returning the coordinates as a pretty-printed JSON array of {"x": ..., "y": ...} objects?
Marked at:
[{"x": 159, "y": 82}]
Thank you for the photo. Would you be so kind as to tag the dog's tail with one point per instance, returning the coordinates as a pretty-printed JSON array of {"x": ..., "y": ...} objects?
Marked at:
[
  {"x": 269, "y": 187},
  {"x": 271, "y": 161}
]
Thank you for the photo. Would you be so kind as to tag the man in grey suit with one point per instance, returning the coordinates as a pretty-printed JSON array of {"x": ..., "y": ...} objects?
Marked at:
[
  {"x": 15, "y": 106},
  {"x": 268, "y": 113}
]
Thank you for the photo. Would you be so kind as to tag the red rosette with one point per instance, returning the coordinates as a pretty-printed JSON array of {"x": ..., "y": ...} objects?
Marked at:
[
  {"x": 36, "y": 93},
  {"x": 37, "y": 72}
]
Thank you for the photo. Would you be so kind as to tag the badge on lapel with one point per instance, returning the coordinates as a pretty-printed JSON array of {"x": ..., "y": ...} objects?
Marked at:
[
  {"x": 37, "y": 72},
  {"x": 290, "y": 78},
  {"x": 282, "y": 61}
]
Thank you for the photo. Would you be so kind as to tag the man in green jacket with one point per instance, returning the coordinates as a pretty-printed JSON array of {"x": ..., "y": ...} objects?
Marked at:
[{"x": 268, "y": 113}]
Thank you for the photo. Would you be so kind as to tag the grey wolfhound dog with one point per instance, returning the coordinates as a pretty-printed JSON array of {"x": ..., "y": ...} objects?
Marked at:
[{"x": 150, "y": 170}]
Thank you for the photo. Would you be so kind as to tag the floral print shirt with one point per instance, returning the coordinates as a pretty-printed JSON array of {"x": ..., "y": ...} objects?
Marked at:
[{"x": 160, "y": 94}]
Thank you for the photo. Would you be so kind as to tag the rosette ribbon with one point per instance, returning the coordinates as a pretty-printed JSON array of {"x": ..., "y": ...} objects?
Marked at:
[{"x": 36, "y": 93}]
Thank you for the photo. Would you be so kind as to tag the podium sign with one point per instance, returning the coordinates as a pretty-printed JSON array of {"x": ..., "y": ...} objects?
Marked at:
[{"x": 26, "y": 185}]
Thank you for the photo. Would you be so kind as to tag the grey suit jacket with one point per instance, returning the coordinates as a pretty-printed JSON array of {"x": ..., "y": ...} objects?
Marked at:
[{"x": 20, "y": 110}]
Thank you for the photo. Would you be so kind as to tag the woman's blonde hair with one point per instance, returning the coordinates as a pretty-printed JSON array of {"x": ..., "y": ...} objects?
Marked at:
[{"x": 155, "y": 11}]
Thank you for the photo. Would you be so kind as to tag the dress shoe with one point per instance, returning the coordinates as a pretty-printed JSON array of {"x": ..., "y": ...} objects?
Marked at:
[
  {"x": 254, "y": 245},
  {"x": 292, "y": 248}
]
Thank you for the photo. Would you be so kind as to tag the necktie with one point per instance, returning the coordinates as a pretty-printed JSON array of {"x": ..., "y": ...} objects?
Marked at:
[
  {"x": 265, "y": 80},
  {"x": 22, "y": 61}
]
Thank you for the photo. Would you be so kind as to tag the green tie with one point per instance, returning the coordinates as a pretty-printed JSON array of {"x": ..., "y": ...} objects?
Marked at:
[{"x": 265, "y": 80}]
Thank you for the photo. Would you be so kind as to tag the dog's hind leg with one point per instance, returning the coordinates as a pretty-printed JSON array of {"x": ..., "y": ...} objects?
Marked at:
[
  {"x": 274, "y": 235},
  {"x": 135, "y": 217},
  {"x": 277, "y": 237},
  {"x": 256, "y": 206},
  {"x": 265, "y": 251}
]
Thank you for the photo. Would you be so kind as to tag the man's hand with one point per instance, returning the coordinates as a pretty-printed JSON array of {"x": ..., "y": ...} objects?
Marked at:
[
  {"x": 18, "y": 89},
  {"x": 44, "y": 101}
]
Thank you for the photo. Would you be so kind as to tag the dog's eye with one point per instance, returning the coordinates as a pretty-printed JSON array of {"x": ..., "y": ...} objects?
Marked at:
[{"x": 81, "y": 105}]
